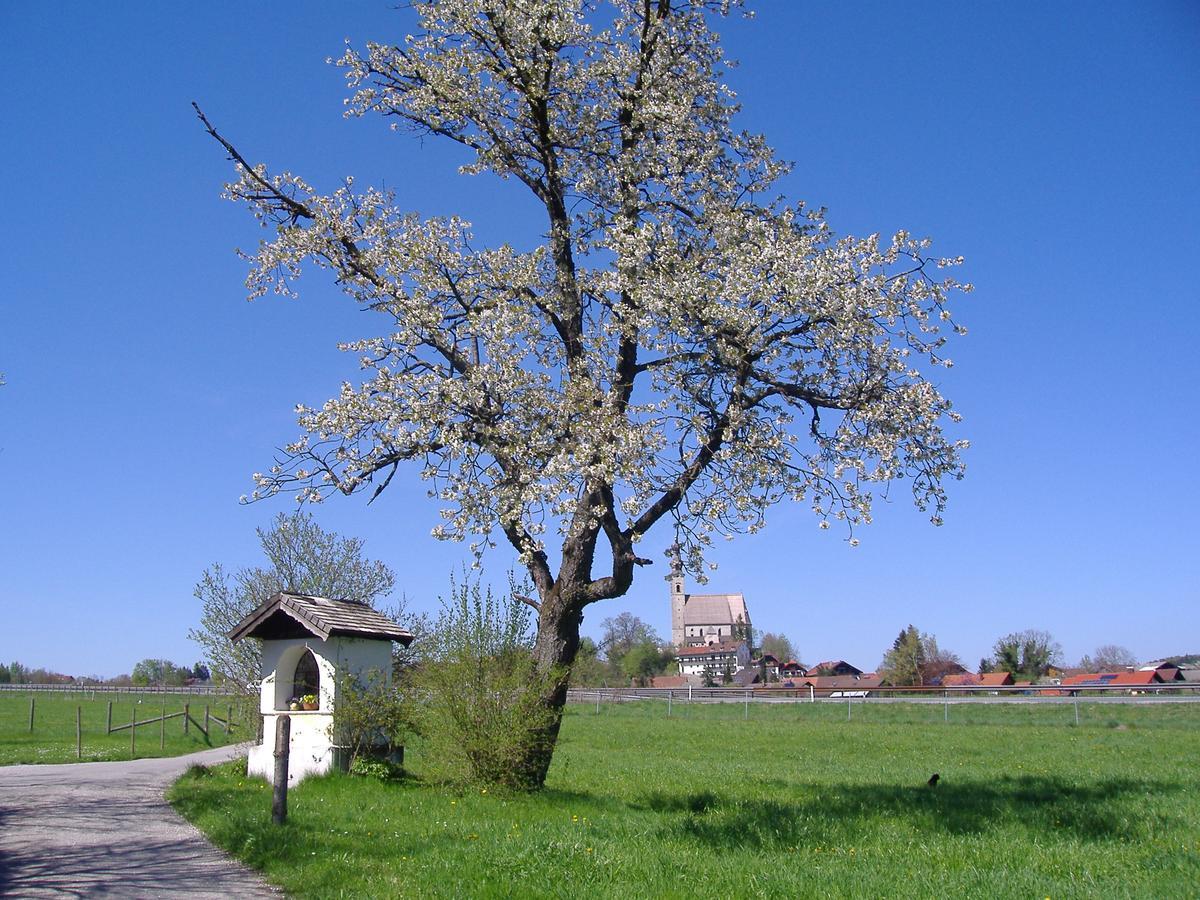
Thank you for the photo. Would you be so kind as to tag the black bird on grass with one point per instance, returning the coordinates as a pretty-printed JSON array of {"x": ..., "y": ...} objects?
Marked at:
[{"x": 933, "y": 780}]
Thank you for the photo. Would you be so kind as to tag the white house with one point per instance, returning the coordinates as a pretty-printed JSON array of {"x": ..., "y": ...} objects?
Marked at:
[
  {"x": 308, "y": 645},
  {"x": 729, "y": 656}
]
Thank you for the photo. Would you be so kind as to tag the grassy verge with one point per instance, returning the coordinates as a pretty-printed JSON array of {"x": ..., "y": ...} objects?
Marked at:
[
  {"x": 792, "y": 802},
  {"x": 52, "y": 739}
]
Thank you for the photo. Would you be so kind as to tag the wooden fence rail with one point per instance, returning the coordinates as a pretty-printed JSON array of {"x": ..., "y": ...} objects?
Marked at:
[{"x": 210, "y": 720}]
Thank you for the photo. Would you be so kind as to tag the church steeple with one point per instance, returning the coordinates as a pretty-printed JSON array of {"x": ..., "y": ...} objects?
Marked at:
[{"x": 678, "y": 597}]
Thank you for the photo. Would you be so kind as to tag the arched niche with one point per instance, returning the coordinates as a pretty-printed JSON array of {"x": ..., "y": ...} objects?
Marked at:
[
  {"x": 307, "y": 679},
  {"x": 297, "y": 673}
]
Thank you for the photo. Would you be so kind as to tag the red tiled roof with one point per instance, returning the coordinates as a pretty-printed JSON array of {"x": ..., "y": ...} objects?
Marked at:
[
  {"x": 995, "y": 679},
  {"x": 843, "y": 682},
  {"x": 966, "y": 679},
  {"x": 1151, "y": 677},
  {"x": 1117, "y": 678},
  {"x": 669, "y": 681},
  {"x": 835, "y": 664},
  {"x": 725, "y": 647}
]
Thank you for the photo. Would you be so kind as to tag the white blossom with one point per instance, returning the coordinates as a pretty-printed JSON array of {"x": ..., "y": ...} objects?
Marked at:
[{"x": 674, "y": 349}]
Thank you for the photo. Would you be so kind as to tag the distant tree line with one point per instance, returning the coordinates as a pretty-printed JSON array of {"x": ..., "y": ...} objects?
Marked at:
[
  {"x": 15, "y": 673},
  {"x": 629, "y": 652},
  {"x": 147, "y": 672},
  {"x": 165, "y": 673},
  {"x": 915, "y": 657}
]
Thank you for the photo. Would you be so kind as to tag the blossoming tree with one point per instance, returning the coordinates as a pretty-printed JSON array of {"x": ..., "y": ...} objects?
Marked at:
[{"x": 680, "y": 350}]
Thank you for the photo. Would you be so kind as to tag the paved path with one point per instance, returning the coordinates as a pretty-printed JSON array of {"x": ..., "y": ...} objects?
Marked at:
[{"x": 104, "y": 830}]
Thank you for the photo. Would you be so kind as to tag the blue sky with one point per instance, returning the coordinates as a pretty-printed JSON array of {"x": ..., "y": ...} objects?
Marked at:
[{"x": 1055, "y": 146}]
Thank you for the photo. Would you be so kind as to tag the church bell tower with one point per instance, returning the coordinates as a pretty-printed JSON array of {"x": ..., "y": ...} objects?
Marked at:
[{"x": 678, "y": 597}]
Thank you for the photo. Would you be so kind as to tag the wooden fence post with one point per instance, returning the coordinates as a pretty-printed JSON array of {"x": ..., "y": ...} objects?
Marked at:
[
  {"x": 133, "y": 733},
  {"x": 162, "y": 726},
  {"x": 186, "y": 716},
  {"x": 32, "y": 701},
  {"x": 108, "y": 721},
  {"x": 283, "y": 740},
  {"x": 206, "y": 720},
  {"x": 228, "y": 719},
  {"x": 79, "y": 732}
]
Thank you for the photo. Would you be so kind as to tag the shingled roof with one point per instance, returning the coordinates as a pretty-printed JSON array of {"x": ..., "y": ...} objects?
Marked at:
[{"x": 288, "y": 615}]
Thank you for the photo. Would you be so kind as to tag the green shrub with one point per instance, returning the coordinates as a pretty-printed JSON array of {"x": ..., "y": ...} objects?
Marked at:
[
  {"x": 372, "y": 767},
  {"x": 481, "y": 713},
  {"x": 371, "y": 716}
]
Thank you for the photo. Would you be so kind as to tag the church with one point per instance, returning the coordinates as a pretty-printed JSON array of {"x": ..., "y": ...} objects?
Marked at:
[{"x": 699, "y": 620}]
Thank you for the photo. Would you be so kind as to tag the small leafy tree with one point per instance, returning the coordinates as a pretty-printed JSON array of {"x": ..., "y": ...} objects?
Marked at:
[
  {"x": 780, "y": 647},
  {"x": 644, "y": 661},
  {"x": 904, "y": 663},
  {"x": 301, "y": 557},
  {"x": 1109, "y": 658},
  {"x": 624, "y": 632},
  {"x": 939, "y": 662},
  {"x": 480, "y": 691},
  {"x": 742, "y": 631},
  {"x": 588, "y": 669},
  {"x": 160, "y": 672},
  {"x": 371, "y": 716},
  {"x": 1026, "y": 654},
  {"x": 727, "y": 673}
]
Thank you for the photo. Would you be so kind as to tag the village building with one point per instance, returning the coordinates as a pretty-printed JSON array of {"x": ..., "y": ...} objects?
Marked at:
[
  {"x": 841, "y": 686},
  {"x": 791, "y": 669},
  {"x": 714, "y": 659},
  {"x": 996, "y": 679},
  {"x": 699, "y": 620},
  {"x": 770, "y": 667},
  {"x": 834, "y": 667},
  {"x": 310, "y": 646}
]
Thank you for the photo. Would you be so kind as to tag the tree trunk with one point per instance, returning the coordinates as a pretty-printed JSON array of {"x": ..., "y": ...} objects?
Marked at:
[{"x": 554, "y": 653}]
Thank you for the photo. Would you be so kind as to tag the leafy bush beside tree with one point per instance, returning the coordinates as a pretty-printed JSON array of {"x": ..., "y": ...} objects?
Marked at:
[
  {"x": 477, "y": 694},
  {"x": 371, "y": 718}
]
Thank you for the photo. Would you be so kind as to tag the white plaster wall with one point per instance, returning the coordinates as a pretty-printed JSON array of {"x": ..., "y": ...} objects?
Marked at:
[
  {"x": 311, "y": 749},
  {"x": 736, "y": 662}
]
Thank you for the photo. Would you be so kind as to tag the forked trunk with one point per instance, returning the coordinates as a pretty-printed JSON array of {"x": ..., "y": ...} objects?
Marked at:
[{"x": 554, "y": 653}]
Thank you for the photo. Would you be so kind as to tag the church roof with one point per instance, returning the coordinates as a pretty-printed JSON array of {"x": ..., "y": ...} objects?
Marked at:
[
  {"x": 714, "y": 609},
  {"x": 288, "y": 615}
]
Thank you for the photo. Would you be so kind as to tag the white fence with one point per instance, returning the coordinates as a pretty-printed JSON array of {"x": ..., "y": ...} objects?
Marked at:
[
  {"x": 1178, "y": 692},
  {"x": 79, "y": 688}
]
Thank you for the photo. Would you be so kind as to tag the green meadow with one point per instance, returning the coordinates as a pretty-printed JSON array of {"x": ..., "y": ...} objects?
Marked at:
[
  {"x": 781, "y": 801},
  {"x": 53, "y": 738}
]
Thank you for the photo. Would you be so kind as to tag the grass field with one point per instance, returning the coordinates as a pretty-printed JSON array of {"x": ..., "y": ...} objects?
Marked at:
[
  {"x": 53, "y": 737},
  {"x": 791, "y": 802}
]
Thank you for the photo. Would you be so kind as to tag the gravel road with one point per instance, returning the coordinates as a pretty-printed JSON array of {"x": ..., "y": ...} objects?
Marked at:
[{"x": 104, "y": 830}]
